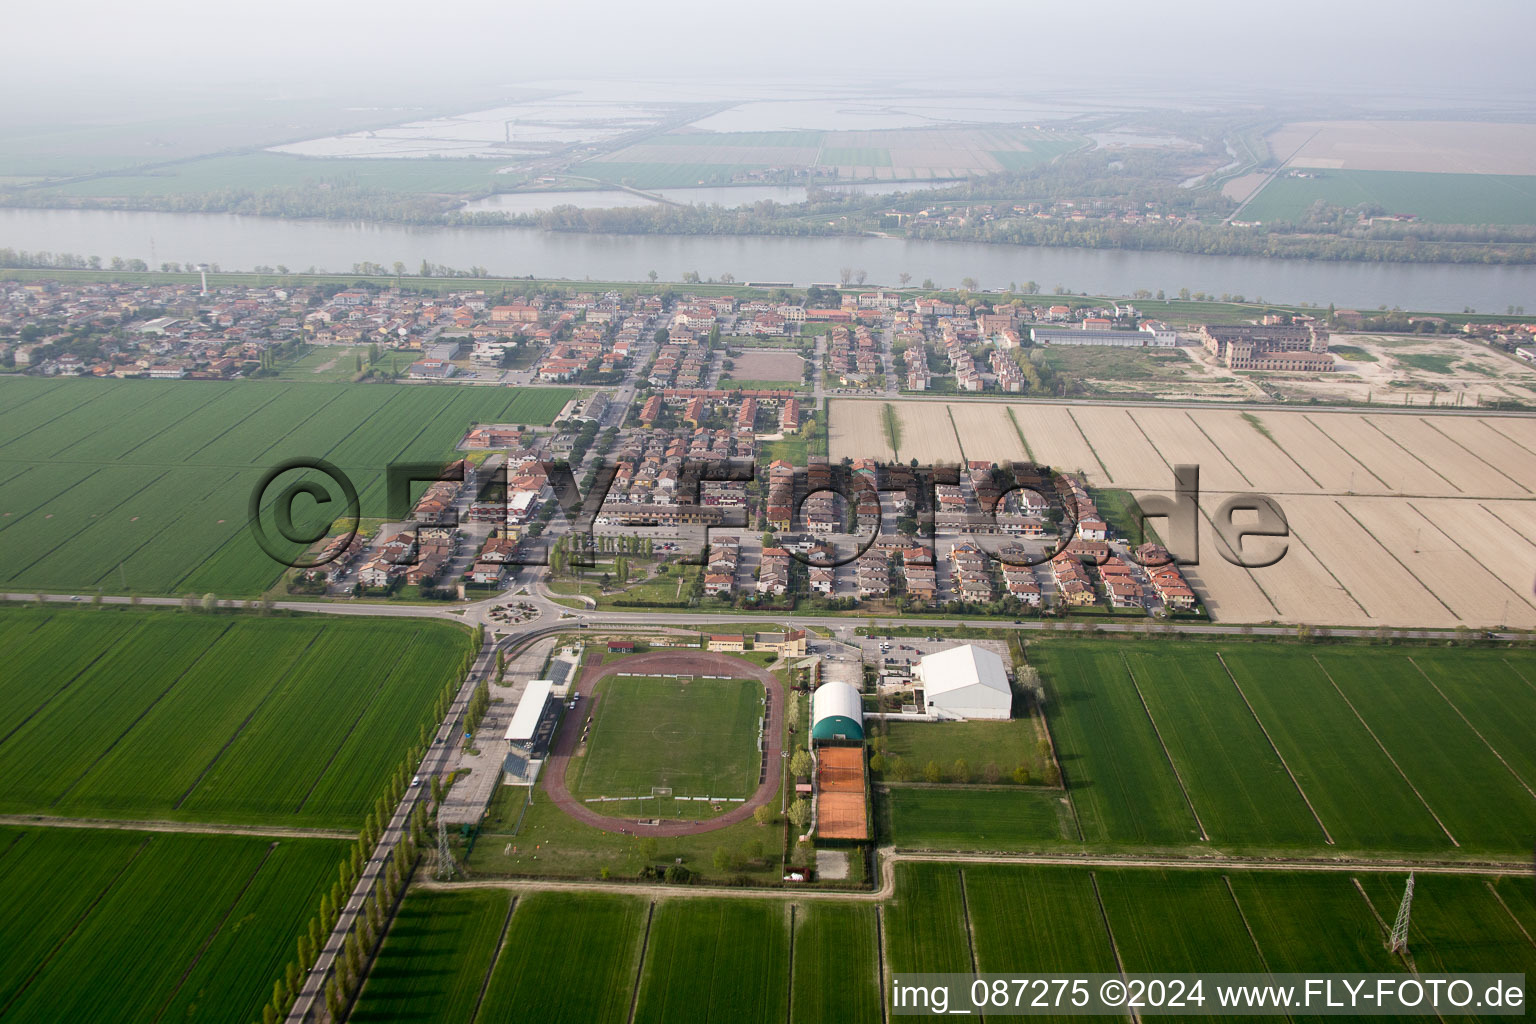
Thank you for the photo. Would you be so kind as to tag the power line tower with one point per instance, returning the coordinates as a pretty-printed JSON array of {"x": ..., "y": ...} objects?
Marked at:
[
  {"x": 1399, "y": 941},
  {"x": 445, "y": 866}
]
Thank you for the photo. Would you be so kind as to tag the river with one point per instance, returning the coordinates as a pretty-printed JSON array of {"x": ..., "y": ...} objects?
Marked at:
[{"x": 240, "y": 243}]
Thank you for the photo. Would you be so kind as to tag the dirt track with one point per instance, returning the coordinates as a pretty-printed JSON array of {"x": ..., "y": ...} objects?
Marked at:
[{"x": 664, "y": 663}]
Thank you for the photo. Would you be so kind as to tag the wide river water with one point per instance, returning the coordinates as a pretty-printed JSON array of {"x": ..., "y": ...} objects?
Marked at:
[{"x": 241, "y": 243}]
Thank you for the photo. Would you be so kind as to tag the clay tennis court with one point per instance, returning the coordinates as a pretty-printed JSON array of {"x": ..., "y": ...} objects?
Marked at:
[{"x": 840, "y": 808}]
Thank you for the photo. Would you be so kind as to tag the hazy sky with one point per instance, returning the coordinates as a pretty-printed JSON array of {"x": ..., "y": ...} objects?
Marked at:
[{"x": 1417, "y": 49}]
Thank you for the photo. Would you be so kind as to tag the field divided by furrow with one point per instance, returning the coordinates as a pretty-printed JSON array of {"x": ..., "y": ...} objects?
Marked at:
[
  {"x": 1310, "y": 923},
  {"x": 1235, "y": 779},
  {"x": 1457, "y": 924},
  {"x": 218, "y": 694},
  {"x": 1463, "y": 467},
  {"x": 836, "y": 970},
  {"x": 1035, "y": 921},
  {"x": 128, "y": 714},
  {"x": 1116, "y": 772},
  {"x": 1480, "y": 802},
  {"x": 175, "y": 446},
  {"x": 51, "y": 530},
  {"x": 1490, "y": 444},
  {"x": 434, "y": 962},
  {"x": 195, "y": 925},
  {"x": 1180, "y": 442},
  {"x": 1176, "y": 921},
  {"x": 1494, "y": 698},
  {"x": 716, "y": 961},
  {"x": 925, "y": 924},
  {"x": 1441, "y": 564},
  {"x": 268, "y": 769},
  {"x": 1357, "y": 792},
  {"x": 47, "y": 754},
  {"x": 156, "y": 419},
  {"x": 572, "y": 958},
  {"x": 355, "y": 767}
]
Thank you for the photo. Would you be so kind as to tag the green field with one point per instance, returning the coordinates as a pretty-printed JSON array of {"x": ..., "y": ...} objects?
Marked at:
[
  {"x": 716, "y": 961},
  {"x": 121, "y": 713},
  {"x": 836, "y": 970},
  {"x": 143, "y": 486},
  {"x": 139, "y": 926},
  {"x": 699, "y": 738},
  {"x": 921, "y": 818},
  {"x": 1434, "y": 198},
  {"x": 434, "y": 964},
  {"x": 1385, "y": 760},
  {"x": 1004, "y": 746},
  {"x": 571, "y": 959},
  {"x": 282, "y": 170},
  {"x": 325, "y": 364}
]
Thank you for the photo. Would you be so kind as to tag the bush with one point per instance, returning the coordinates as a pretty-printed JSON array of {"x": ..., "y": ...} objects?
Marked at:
[{"x": 678, "y": 875}]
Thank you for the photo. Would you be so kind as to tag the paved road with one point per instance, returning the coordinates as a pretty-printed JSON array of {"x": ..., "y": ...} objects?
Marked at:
[
  {"x": 552, "y": 614},
  {"x": 889, "y": 858}
]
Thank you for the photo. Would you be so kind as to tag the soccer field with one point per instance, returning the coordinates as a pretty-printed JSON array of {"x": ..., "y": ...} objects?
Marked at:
[{"x": 698, "y": 738}]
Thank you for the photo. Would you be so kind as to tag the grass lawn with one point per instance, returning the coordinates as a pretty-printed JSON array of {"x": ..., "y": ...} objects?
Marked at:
[
  {"x": 1004, "y": 746},
  {"x": 1428, "y": 362},
  {"x": 924, "y": 818},
  {"x": 1353, "y": 353},
  {"x": 1089, "y": 362},
  {"x": 699, "y": 738},
  {"x": 330, "y": 364},
  {"x": 550, "y": 842}
]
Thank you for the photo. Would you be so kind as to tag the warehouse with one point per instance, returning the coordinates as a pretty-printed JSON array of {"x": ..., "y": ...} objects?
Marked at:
[
  {"x": 837, "y": 713},
  {"x": 964, "y": 682}
]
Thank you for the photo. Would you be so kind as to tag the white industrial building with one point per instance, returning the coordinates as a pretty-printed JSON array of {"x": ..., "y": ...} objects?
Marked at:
[{"x": 964, "y": 682}]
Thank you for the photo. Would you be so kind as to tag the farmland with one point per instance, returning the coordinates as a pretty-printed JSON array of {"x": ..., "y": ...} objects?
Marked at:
[
  {"x": 143, "y": 486},
  {"x": 1432, "y": 198},
  {"x": 118, "y": 713},
  {"x": 698, "y": 738},
  {"x": 434, "y": 964},
  {"x": 836, "y": 972},
  {"x": 135, "y": 926},
  {"x": 708, "y": 958},
  {"x": 1272, "y": 747},
  {"x": 716, "y": 157},
  {"x": 1396, "y": 519},
  {"x": 716, "y": 960},
  {"x": 576, "y": 960}
]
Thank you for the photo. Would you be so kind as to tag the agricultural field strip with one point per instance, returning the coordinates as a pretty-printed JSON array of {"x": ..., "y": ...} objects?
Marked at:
[
  {"x": 279, "y": 682},
  {"x": 191, "y": 667},
  {"x": 1184, "y": 789},
  {"x": 1460, "y": 714},
  {"x": 1281, "y": 757},
  {"x": 1387, "y": 753},
  {"x": 400, "y": 666},
  {"x": 1332, "y": 751},
  {"x": 1432, "y": 592},
  {"x": 73, "y": 960},
  {"x": 1428, "y": 424},
  {"x": 1494, "y": 560},
  {"x": 1483, "y": 806}
]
